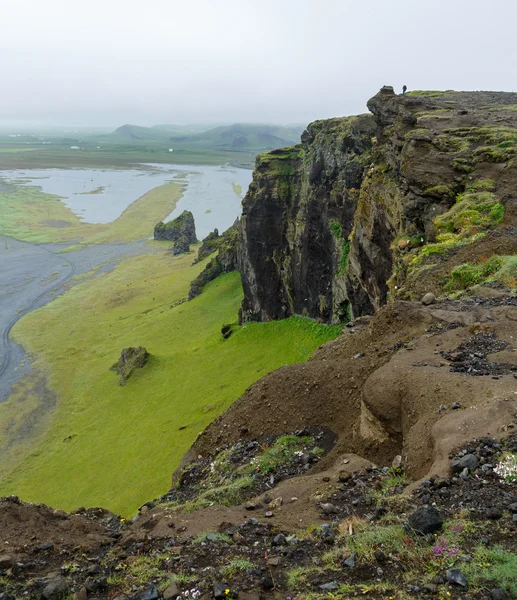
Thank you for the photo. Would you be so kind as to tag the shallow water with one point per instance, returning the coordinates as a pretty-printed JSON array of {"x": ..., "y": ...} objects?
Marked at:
[{"x": 208, "y": 193}]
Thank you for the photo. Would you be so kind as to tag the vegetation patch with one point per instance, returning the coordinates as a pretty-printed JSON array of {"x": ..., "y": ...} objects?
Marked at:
[
  {"x": 501, "y": 269},
  {"x": 100, "y": 431}
]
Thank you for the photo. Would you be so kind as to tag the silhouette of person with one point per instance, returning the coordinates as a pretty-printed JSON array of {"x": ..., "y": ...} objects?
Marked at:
[{"x": 404, "y": 90}]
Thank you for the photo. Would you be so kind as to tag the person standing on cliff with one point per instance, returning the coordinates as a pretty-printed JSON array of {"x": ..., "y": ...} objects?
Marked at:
[{"x": 404, "y": 90}]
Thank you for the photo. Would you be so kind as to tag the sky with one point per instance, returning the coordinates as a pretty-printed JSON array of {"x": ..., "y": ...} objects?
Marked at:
[{"x": 109, "y": 62}]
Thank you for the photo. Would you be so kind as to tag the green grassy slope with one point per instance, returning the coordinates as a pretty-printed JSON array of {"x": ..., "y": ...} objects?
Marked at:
[{"x": 117, "y": 446}]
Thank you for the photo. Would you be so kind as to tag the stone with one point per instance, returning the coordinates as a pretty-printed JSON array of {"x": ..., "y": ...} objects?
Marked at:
[
  {"x": 344, "y": 476},
  {"x": 426, "y": 519},
  {"x": 266, "y": 583},
  {"x": 44, "y": 546},
  {"x": 513, "y": 507},
  {"x": 269, "y": 514},
  {"x": 497, "y": 594},
  {"x": 151, "y": 593},
  {"x": 95, "y": 585},
  {"x": 350, "y": 561},
  {"x": 6, "y": 561},
  {"x": 276, "y": 503},
  {"x": 82, "y": 594},
  {"x": 494, "y": 513},
  {"x": 275, "y": 561},
  {"x": 428, "y": 299},
  {"x": 279, "y": 540},
  {"x": 172, "y": 591},
  {"x": 469, "y": 461},
  {"x": 329, "y": 509},
  {"x": 55, "y": 588},
  {"x": 219, "y": 590},
  {"x": 329, "y": 587},
  {"x": 396, "y": 463},
  {"x": 456, "y": 577},
  {"x": 456, "y": 405}
]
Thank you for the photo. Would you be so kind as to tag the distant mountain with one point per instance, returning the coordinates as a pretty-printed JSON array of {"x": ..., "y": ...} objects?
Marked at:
[
  {"x": 239, "y": 137},
  {"x": 244, "y": 137},
  {"x": 137, "y": 133}
]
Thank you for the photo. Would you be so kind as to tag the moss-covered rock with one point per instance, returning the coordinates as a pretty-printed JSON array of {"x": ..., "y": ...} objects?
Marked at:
[
  {"x": 130, "y": 359},
  {"x": 182, "y": 226},
  {"x": 227, "y": 259}
]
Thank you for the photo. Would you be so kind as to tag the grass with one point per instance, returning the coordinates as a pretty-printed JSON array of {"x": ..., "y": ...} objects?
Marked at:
[
  {"x": 501, "y": 269},
  {"x": 27, "y": 213},
  {"x": 493, "y": 566},
  {"x": 236, "y": 566},
  {"x": 117, "y": 446},
  {"x": 280, "y": 453}
]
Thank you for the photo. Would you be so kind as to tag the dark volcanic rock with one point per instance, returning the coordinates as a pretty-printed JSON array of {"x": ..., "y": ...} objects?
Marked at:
[
  {"x": 181, "y": 246},
  {"x": 182, "y": 226},
  {"x": 456, "y": 577},
  {"x": 130, "y": 359},
  {"x": 469, "y": 461},
  {"x": 227, "y": 260},
  {"x": 425, "y": 519},
  {"x": 55, "y": 589}
]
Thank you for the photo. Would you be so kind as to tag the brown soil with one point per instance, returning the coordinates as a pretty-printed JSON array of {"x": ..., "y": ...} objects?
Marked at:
[{"x": 386, "y": 389}]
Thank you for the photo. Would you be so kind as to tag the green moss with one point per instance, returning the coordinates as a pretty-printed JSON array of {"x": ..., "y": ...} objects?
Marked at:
[
  {"x": 473, "y": 212},
  {"x": 335, "y": 228},
  {"x": 427, "y": 93},
  {"x": 464, "y": 165},
  {"x": 440, "y": 191},
  {"x": 502, "y": 269}
]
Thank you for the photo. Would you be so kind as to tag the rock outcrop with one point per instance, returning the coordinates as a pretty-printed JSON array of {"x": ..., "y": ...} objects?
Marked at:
[
  {"x": 227, "y": 259},
  {"x": 380, "y": 206},
  {"x": 130, "y": 359},
  {"x": 180, "y": 227}
]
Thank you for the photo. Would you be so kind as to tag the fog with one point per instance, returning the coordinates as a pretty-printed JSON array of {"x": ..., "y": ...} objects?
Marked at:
[{"x": 109, "y": 62}]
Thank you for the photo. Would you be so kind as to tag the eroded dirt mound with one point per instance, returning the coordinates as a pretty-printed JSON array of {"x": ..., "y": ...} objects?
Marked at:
[{"x": 388, "y": 384}]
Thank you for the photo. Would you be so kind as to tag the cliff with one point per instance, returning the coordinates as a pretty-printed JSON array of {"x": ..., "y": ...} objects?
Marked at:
[{"x": 408, "y": 199}]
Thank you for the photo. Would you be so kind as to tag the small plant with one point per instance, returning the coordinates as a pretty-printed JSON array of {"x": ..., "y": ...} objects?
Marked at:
[
  {"x": 213, "y": 536},
  {"x": 236, "y": 566},
  {"x": 507, "y": 467}
]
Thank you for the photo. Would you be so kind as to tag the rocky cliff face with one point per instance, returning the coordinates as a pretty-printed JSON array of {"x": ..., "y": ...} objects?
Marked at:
[{"x": 380, "y": 206}]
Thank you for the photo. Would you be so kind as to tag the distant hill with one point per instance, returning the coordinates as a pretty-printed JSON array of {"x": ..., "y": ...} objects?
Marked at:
[
  {"x": 236, "y": 137},
  {"x": 137, "y": 133},
  {"x": 244, "y": 137}
]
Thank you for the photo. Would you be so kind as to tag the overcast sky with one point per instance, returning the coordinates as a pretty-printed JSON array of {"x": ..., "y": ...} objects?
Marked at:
[{"x": 152, "y": 61}]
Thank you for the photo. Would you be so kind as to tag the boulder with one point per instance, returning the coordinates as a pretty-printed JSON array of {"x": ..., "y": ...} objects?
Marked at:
[
  {"x": 130, "y": 359},
  {"x": 55, "y": 588},
  {"x": 469, "y": 461},
  {"x": 456, "y": 577},
  {"x": 428, "y": 299},
  {"x": 172, "y": 591},
  {"x": 426, "y": 519}
]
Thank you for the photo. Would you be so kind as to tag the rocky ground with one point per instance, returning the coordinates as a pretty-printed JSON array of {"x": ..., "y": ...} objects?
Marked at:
[{"x": 368, "y": 535}]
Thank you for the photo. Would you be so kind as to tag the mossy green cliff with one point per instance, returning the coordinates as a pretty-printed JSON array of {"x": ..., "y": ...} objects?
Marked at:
[{"x": 379, "y": 206}]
